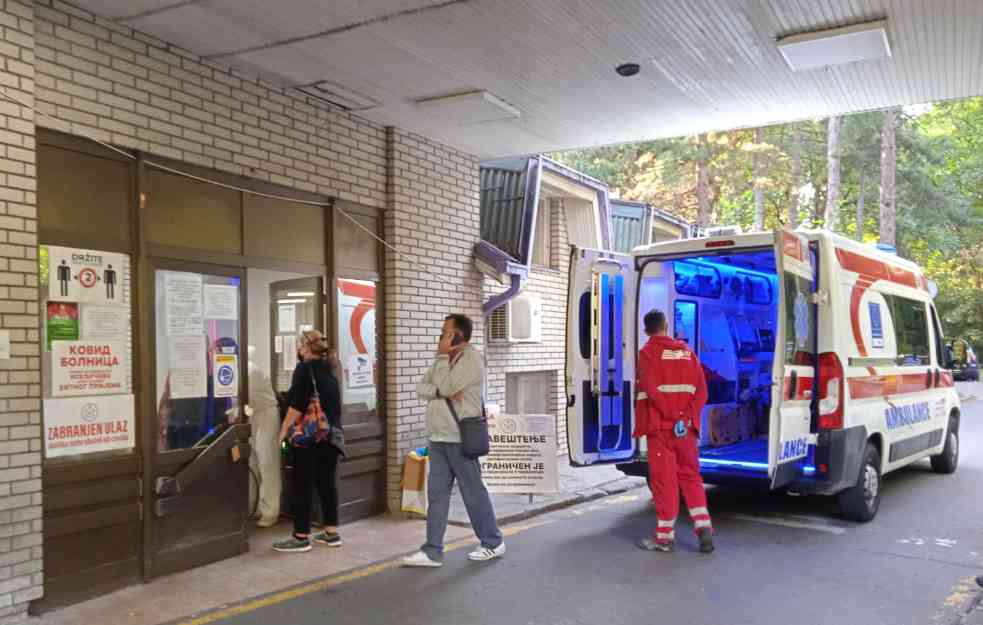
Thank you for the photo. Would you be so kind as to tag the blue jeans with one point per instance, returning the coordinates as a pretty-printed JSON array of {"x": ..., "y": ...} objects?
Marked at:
[{"x": 447, "y": 462}]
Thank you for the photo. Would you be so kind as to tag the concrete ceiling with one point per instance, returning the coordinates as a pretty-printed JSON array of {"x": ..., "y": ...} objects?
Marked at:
[{"x": 705, "y": 64}]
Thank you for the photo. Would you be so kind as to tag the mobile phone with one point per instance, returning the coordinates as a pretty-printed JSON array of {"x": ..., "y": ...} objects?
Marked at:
[{"x": 457, "y": 339}]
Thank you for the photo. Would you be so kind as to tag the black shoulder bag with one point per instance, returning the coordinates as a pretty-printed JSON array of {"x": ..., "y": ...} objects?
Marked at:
[{"x": 474, "y": 432}]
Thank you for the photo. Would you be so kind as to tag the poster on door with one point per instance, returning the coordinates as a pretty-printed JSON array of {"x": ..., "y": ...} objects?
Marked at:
[
  {"x": 88, "y": 368},
  {"x": 84, "y": 425},
  {"x": 87, "y": 276},
  {"x": 184, "y": 305},
  {"x": 226, "y": 369},
  {"x": 356, "y": 330},
  {"x": 522, "y": 455},
  {"x": 62, "y": 323}
]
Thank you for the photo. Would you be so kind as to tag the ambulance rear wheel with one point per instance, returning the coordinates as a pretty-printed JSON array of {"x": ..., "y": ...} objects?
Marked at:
[
  {"x": 948, "y": 460},
  {"x": 861, "y": 501}
]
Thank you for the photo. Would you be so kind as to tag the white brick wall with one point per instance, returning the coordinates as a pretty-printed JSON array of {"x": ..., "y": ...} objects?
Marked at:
[
  {"x": 20, "y": 416},
  {"x": 550, "y": 286},
  {"x": 432, "y": 215}
]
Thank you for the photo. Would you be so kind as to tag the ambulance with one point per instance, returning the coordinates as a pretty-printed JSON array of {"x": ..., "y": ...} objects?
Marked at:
[{"x": 824, "y": 360}]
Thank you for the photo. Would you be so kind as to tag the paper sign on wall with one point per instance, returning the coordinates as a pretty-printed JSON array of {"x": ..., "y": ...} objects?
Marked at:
[
  {"x": 183, "y": 296},
  {"x": 88, "y": 368},
  {"x": 522, "y": 456},
  {"x": 105, "y": 323},
  {"x": 288, "y": 318},
  {"x": 188, "y": 367},
  {"x": 83, "y": 425},
  {"x": 226, "y": 370},
  {"x": 278, "y": 344},
  {"x": 360, "y": 371},
  {"x": 88, "y": 276},
  {"x": 63, "y": 322},
  {"x": 289, "y": 352},
  {"x": 221, "y": 302}
]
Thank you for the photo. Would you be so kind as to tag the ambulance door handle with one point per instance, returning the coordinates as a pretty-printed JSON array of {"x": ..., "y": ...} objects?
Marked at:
[
  {"x": 793, "y": 384},
  {"x": 937, "y": 376},
  {"x": 571, "y": 401},
  {"x": 928, "y": 381}
]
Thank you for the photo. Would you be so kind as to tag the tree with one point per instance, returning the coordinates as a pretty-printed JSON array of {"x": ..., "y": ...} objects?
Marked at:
[
  {"x": 704, "y": 211},
  {"x": 796, "y": 178},
  {"x": 832, "y": 216},
  {"x": 889, "y": 158}
]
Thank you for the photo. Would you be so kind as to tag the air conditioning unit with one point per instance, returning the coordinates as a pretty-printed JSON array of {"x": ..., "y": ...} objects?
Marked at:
[{"x": 518, "y": 321}]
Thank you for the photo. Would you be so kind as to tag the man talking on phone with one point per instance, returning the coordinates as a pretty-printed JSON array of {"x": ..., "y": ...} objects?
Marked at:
[{"x": 455, "y": 376}]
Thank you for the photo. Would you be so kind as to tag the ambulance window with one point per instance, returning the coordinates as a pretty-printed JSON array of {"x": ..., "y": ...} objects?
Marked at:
[
  {"x": 911, "y": 331},
  {"x": 696, "y": 280},
  {"x": 684, "y": 323},
  {"x": 800, "y": 345}
]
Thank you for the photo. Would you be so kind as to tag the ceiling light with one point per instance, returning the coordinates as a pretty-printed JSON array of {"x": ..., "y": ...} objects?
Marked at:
[
  {"x": 465, "y": 109},
  {"x": 291, "y": 301},
  {"x": 861, "y": 42},
  {"x": 301, "y": 294},
  {"x": 628, "y": 69}
]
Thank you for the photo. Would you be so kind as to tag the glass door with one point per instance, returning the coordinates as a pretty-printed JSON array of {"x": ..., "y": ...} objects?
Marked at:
[
  {"x": 295, "y": 306},
  {"x": 201, "y": 473}
]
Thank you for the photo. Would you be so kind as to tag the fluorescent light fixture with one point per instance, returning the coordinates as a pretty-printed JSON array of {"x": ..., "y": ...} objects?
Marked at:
[
  {"x": 301, "y": 294},
  {"x": 861, "y": 42},
  {"x": 465, "y": 109},
  {"x": 291, "y": 301}
]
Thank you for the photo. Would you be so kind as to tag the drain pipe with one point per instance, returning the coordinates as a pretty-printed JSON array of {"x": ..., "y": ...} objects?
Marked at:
[{"x": 534, "y": 169}]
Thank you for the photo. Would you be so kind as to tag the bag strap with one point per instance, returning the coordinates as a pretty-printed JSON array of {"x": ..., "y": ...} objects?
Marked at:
[
  {"x": 450, "y": 405},
  {"x": 316, "y": 395}
]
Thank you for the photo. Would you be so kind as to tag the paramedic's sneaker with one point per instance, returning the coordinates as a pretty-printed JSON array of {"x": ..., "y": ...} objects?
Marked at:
[
  {"x": 651, "y": 544},
  {"x": 331, "y": 539},
  {"x": 706, "y": 540},
  {"x": 484, "y": 553},
  {"x": 422, "y": 560},
  {"x": 293, "y": 545}
]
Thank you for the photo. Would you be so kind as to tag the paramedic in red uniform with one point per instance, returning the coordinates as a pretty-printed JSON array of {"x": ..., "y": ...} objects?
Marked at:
[{"x": 671, "y": 394}]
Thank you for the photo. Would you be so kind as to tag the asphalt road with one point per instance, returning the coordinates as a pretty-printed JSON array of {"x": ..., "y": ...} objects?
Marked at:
[{"x": 780, "y": 560}]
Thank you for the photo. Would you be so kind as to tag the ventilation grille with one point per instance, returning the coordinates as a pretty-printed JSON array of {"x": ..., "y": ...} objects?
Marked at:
[{"x": 498, "y": 325}]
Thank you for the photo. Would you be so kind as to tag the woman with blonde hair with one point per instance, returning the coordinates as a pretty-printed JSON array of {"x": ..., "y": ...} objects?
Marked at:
[{"x": 313, "y": 428}]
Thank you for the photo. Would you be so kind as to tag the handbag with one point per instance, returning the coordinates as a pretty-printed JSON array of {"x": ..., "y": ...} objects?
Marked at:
[
  {"x": 474, "y": 432},
  {"x": 313, "y": 427}
]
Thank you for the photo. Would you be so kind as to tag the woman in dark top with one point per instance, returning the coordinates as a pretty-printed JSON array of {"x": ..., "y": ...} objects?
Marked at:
[{"x": 314, "y": 466}]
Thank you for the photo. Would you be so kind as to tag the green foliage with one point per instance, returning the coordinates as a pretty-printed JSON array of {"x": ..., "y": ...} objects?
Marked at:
[{"x": 939, "y": 187}]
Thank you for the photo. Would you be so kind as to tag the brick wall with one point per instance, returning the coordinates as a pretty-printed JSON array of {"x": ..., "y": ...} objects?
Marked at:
[
  {"x": 550, "y": 286},
  {"x": 20, "y": 391},
  {"x": 433, "y": 217}
]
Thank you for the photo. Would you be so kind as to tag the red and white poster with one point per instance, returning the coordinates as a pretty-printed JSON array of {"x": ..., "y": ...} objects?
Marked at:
[
  {"x": 88, "y": 368},
  {"x": 83, "y": 425},
  {"x": 356, "y": 330}
]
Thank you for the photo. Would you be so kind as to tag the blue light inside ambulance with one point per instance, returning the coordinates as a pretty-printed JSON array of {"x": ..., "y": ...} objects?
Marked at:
[
  {"x": 807, "y": 470},
  {"x": 738, "y": 464}
]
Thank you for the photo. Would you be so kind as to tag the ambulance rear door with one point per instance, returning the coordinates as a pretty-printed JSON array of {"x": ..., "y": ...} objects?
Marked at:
[
  {"x": 600, "y": 356},
  {"x": 794, "y": 371}
]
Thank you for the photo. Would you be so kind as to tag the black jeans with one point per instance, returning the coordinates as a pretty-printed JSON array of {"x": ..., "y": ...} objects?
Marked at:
[{"x": 315, "y": 468}]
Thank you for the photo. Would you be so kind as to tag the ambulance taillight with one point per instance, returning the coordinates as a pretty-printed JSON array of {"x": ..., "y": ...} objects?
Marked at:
[{"x": 831, "y": 391}]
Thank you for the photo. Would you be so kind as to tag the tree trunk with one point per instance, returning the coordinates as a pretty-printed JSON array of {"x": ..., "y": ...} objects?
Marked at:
[
  {"x": 860, "y": 206},
  {"x": 703, "y": 183},
  {"x": 793, "y": 206},
  {"x": 758, "y": 173},
  {"x": 889, "y": 162},
  {"x": 832, "y": 216}
]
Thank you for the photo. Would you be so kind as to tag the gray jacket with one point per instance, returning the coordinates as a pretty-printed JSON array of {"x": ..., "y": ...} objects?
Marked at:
[{"x": 444, "y": 379}]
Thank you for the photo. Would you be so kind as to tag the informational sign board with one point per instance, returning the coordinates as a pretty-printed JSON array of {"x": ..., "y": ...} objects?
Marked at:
[
  {"x": 104, "y": 323},
  {"x": 184, "y": 306},
  {"x": 88, "y": 276},
  {"x": 88, "y": 368},
  {"x": 63, "y": 322},
  {"x": 876, "y": 325},
  {"x": 221, "y": 302},
  {"x": 82, "y": 425},
  {"x": 287, "y": 314},
  {"x": 188, "y": 370},
  {"x": 356, "y": 339},
  {"x": 226, "y": 370},
  {"x": 522, "y": 456},
  {"x": 289, "y": 352}
]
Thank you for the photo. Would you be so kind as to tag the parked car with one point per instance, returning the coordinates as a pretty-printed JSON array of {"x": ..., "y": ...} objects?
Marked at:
[{"x": 965, "y": 366}]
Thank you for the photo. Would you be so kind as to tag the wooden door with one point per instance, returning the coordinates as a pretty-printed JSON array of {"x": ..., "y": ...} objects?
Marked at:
[{"x": 201, "y": 438}]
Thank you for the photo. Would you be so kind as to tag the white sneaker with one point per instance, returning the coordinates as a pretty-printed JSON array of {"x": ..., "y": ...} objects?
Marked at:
[
  {"x": 484, "y": 553},
  {"x": 421, "y": 559}
]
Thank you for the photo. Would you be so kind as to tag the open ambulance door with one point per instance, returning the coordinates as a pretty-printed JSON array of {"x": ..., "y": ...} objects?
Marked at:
[
  {"x": 794, "y": 370},
  {"x": 600, "y": 359}
]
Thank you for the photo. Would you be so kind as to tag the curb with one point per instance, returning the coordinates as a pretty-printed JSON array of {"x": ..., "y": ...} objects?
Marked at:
[{"x": 605, "y": 489}]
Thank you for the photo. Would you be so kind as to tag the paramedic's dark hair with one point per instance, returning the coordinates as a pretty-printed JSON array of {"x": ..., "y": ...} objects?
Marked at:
[
  {"x": 462, "y": 323},
  {"x": 655, "y": 321}
]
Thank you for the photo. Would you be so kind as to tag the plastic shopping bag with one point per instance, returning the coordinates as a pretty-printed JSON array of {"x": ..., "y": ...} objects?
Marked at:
[{"x": 415, "y": 482}]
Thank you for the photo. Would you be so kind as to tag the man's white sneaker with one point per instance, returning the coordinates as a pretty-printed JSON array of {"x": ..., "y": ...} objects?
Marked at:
[
  {"x": 484, "y": 553},
  {"x": 421, "y": 559}
]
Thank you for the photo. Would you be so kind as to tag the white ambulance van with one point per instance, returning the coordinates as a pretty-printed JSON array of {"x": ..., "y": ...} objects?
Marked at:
[{"x": 824, "y": 360}]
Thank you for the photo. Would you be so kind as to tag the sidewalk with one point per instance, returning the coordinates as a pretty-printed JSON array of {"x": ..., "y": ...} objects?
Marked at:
[
  {"x": 259, "y": 572},
  {"x": 970, "y": 391},
  {"x": 577, "y": 484}
]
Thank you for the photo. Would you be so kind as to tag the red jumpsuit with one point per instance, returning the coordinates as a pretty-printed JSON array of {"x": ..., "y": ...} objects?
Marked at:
[{"x": 672, "y": 388}]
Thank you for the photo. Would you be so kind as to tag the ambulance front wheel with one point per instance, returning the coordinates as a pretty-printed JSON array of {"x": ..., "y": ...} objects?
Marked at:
[
  {"x": 861, "y": 501},
  {"x": 948, "y": 460}
]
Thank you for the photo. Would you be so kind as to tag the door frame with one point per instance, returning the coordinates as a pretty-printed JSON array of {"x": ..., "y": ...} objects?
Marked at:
[{"x": 147, "y": 404}]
